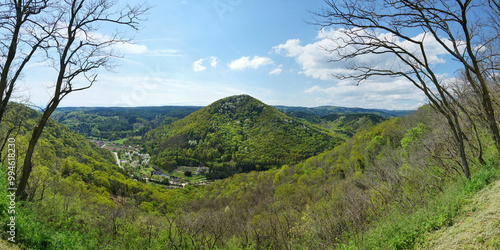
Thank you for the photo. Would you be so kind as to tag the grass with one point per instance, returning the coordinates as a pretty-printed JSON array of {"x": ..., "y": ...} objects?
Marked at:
[
  {"x": 6, "y": 245},
  {"x": 441, "y": 224},
  {"x": 121, "y": 141},
  {"x": 477, "y": 225}
]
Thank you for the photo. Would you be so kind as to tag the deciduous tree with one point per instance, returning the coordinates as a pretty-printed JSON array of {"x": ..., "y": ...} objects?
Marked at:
[
  {"x": 21, "y": 35},
  {"x": 77, "y": 51},
  {"x": 466, "y": 30}
]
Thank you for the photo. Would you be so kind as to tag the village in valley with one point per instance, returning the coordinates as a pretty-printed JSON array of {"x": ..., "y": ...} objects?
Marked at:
[{"x": 137, "y": 165}]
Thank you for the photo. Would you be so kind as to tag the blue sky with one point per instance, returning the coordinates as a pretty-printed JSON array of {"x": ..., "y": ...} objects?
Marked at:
[{"x": 196, "y": 52}]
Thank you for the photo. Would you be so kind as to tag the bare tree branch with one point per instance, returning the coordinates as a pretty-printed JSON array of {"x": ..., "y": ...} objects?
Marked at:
[
  {"x": 388, "y": 28},
  {"x": 77, "y": 50}
]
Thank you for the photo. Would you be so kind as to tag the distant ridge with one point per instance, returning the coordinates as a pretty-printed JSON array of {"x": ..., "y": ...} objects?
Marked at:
[
  {"x": 328, "y": 110},
  {"x": 115, "y": 123}
]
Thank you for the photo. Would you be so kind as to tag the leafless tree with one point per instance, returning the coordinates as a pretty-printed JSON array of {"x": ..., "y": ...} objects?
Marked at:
[
  {"x": 495, "y": 4},
  {"x": 465, "y": 29},
  {"x": 21, "y": 35},
  {"x": 78, "y": 49}
]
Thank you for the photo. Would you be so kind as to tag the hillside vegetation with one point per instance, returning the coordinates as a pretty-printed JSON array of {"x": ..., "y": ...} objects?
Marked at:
[
  {"x": 237, "y": 134},
  {"x": 77, "y": 197},
  {"x": 393, "y": 185},
  {"x": 476, "y": 226},
  {"x": 344, "y": 124},
  {"x": 385, "y": 188},
  {"x": 329, "y": 110},
  {"x": 118, "y": 123}
]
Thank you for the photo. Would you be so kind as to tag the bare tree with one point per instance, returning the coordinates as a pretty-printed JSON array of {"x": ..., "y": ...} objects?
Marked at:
[
  {"x": 78, "y": 50},
  {"x": 465, "y": 29},
  {"x": 495, "y": 4},
  {"x": 21, "y": 35}
]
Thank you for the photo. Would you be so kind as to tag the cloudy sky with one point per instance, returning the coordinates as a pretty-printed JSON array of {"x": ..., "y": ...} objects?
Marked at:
[{"x": 196, "y": 52}]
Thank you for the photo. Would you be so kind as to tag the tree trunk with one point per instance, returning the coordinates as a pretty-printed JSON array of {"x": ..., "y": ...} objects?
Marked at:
[
  {"x": 458, "y": 136},
  {"x": 28, "y": 165},
  {"x": 5, "y": 90},
  {"x": 491, "y": 119}
]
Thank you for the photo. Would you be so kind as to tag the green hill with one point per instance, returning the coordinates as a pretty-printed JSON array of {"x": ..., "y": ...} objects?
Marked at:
[
  {"x": 328, "y": 110},
  {"x": 394, "y": 185},
  {"x": 118, "y": 122},
  {"x": 57, "y": 141},
  {"x": 346, "y": 124},
  {"x": 78, "y": 197},
  {"x": 239, "y": 132},
  {"x": 385, "y": 188}
]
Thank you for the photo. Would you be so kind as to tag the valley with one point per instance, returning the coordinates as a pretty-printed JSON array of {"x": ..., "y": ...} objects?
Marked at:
[
  {"x": 323, "y": 120},
  {"x": 221, "y": 124},
  {"x": 205, "y": 145},
  {"x": 239, "y": 163}
]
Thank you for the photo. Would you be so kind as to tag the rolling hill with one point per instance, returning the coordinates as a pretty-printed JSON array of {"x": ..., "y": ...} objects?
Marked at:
[
  {"x": 119, "y": 122},
  {"x": 346, "y": 124},
  {"x": 328, "y": 110},
  {"x": 237, "y": 132}
]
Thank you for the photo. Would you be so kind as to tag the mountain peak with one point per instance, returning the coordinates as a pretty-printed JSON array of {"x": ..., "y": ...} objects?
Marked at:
[
  {"x": 237, "y": 105},
  {"x": 236, "y": 99}
]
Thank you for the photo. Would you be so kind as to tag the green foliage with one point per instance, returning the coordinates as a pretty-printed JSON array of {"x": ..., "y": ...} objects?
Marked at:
[
  {"x": 118, "y": 123},
  {"x": 412, "y": 135},
  {"x": 236, "y": 134},
  {"x": 488, "y": 173},
  {"x": 345, "y": 124},
  {"x": 402, "y": 230},
  {"x": 332, "y": 110},
  {"x": 381, "y": 189}
]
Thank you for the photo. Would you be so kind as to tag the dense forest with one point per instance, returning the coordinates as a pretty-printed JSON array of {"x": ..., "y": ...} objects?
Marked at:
[
  {"x": 328, "y": 110},
  {"x": 344, "y": 124},
  {"x": 115, "y": 123},
  {"x": 237, "y": 134},
  {"x": 360, "y": 193},
  {"x": 238, "y": 173}
]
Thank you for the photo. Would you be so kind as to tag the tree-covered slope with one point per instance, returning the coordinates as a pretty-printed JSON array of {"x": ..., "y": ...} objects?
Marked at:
[
  {"x": 384, "y": 188},
  {"x": 328, "y": 110},
  {"x": 119, "y": 122},
  {"x": 78, "y": 198},
  {"x": 239, "y": 131},
  {"x": 57, "y": 141},
  {"x": 346, "y": 124}
]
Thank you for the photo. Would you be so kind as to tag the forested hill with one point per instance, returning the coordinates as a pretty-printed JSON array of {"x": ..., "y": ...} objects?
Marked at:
[
  {"x": 237, "y": 131},
  {"x": 346, "y": 124},
  {"x": 64, "y": 159},
  {"x": 119, "y": 122},
  {"x": 78, "y": 198},
  {"x": 114, "y": 123},
  {"x": 328, "y": 110},
  {"x": 56, "y": 143}
]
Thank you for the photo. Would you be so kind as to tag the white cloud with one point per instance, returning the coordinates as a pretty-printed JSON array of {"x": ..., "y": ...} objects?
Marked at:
[
  {"x": 277, "y": 70},
  {"x": 164, "y": 52},
  {"x": 245, "y": 62},
  {"x": 380, "y": 92},
  {"x": 131, "y": 48},
  {"x": 213, "y": 61},
  {"x": 314, "y": 89},
  {"x": 114, "y": 90},
  {"x": 376, "y": 92},
  {"x": 197, "y": 66},
  {"x": 318, "y": 63}
]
